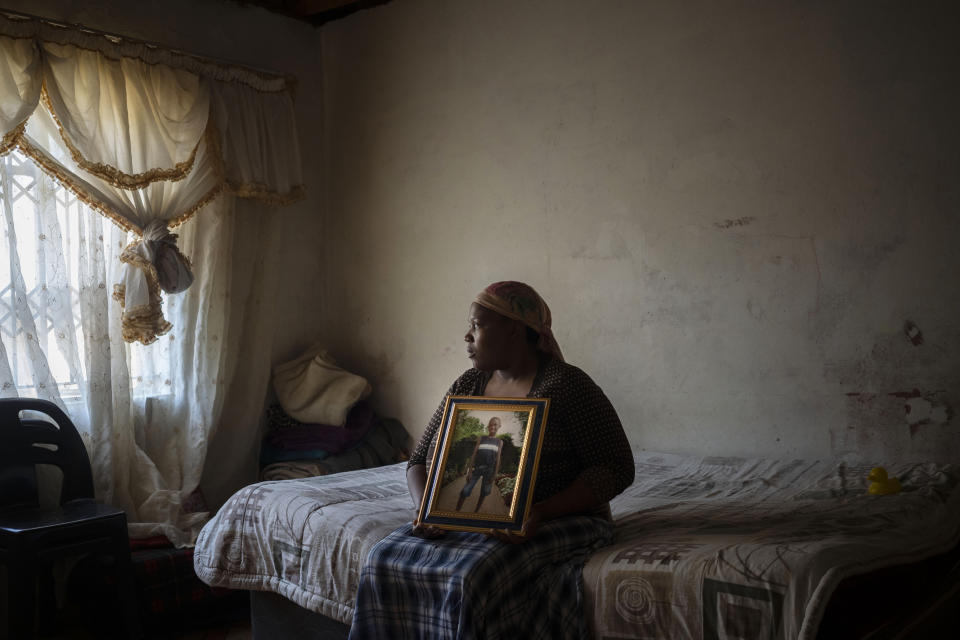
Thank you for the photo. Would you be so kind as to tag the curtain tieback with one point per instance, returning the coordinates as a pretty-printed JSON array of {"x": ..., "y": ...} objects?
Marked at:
[
  {"x": 160, "y": 248},
  {"x": 150, "y": 264}
]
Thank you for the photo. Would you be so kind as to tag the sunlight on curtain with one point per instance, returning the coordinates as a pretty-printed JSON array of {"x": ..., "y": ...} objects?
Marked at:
[
  {"x": 54, "y": 232},
  {"x": 146, "y": 144},
  {"x": 101, "y": 136},
  {"x": 60, "y": 340}
]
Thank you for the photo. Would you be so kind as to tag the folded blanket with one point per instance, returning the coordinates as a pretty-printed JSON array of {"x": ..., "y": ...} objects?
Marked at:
[
  {"x": 297, "y": 436},
  {"x": 385, "y": 443}
]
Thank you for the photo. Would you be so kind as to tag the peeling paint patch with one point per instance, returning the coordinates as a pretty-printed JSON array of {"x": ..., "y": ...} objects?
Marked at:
[
  {"x": 736, "y": 222},
  {"x": 874, "y": 422},
  {"x": 922, "y": 409},
  {"x": 899, "y": 400},
  {"x": 913, "y": 333}
]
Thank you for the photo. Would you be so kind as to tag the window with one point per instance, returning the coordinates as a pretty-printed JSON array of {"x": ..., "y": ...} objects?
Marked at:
[{"x": 62, "y": 257}]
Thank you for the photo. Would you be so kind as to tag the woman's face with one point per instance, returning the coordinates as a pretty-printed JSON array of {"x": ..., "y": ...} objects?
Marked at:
[{"x": 491, "y": 339}]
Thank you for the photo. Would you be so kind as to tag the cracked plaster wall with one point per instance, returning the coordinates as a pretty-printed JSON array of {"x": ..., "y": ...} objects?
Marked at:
[{"x": 737, "y": 210}]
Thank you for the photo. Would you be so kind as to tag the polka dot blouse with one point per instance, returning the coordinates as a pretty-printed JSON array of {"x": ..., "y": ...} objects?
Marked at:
[{"x": 583, "y": 439}]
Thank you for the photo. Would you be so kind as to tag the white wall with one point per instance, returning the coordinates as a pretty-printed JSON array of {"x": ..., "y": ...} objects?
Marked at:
[
  {"x": 288, "y": 285},
  {"x": 732, "y": 208}
]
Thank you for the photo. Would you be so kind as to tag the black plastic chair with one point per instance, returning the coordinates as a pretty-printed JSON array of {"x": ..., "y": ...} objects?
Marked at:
[{"x": 33, "y": 537}]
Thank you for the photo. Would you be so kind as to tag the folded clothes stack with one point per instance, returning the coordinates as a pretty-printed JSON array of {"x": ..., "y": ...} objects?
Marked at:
[
  {"x": 289, "y": 439},
  {"x": 386, "y": 443},
  {"x": 322, "y": 423}
]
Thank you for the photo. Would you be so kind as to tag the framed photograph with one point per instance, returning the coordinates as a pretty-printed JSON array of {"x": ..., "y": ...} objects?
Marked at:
[{"x": 484, "y": 464}]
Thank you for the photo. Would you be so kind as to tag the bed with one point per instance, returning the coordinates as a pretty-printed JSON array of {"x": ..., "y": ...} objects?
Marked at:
[{"x": 704, "y": 547}]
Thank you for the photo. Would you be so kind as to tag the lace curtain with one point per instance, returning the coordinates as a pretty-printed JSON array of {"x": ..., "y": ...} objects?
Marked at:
[
  {"x": 145, "y": 142},
  {"x": 106, "y": 145},
  {"x": 145, "y": 412}
]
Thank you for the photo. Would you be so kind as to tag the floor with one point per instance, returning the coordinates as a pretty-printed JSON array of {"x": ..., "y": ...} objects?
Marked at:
[
  {"x": 236, "y": 631},
  {"x": 75, "y": 624},
  {"x": 231, "y": 631}
]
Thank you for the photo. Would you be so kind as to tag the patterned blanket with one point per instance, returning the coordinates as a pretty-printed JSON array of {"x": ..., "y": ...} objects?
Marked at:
[
  {"x": 703, "y": 547},
  {"x": 304, "y": 539},
  {"x": 729, "y": 547}
]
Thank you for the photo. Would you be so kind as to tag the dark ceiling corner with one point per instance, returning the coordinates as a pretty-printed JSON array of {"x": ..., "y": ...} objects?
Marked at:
[{"x": 315, "y": 12}]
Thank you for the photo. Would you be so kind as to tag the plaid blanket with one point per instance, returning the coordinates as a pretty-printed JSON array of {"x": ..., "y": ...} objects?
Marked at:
[{"x": 469, "y": 586}]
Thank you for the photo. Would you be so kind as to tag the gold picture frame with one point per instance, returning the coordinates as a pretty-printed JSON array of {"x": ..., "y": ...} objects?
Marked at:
[{"x": 484, "y": 465}]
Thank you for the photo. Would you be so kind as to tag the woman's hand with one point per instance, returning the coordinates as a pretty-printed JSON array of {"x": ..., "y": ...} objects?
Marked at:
[
  {"x": 530, "y": 528},
  {"x": 426, "y": 531}
]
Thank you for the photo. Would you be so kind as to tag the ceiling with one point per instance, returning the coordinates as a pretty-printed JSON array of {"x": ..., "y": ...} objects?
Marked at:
[{"x": 315, "y": 12}]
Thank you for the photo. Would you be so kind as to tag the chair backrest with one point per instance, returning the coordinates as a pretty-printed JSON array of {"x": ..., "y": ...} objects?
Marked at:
[{"x": 25, "y": 443}]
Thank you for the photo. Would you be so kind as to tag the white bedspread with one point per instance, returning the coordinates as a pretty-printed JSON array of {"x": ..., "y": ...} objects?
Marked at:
[
  {"x": 730, "y": 547},
  {"x": 304, "y": 539},
  {"x": 705, "y": 547}
]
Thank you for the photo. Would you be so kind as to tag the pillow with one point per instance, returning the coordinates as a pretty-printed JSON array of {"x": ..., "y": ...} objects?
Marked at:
[{"x": 314, "y": 390}]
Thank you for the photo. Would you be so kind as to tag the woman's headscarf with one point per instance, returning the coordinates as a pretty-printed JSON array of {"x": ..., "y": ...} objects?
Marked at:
[{"x": 520, "y": 302}]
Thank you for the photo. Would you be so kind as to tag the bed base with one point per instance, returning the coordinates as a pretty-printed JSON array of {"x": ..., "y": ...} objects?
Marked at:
[
  {"x": 918, "y": 601},
  {"x": 272, "y": 616}
]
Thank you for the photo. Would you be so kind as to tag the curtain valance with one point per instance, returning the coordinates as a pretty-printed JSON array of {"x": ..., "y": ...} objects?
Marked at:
[
  {"x": 17, "y": 25},
  {"x": 147, "y": 137}
]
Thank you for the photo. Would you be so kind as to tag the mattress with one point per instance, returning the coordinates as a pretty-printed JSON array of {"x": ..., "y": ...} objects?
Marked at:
[{"x": 705, "y": 547}]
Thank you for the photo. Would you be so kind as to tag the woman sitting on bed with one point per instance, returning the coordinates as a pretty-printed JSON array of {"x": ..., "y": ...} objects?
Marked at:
[
  {"x": 585, "y": 459},
  {"x": 469, "y": 585}
]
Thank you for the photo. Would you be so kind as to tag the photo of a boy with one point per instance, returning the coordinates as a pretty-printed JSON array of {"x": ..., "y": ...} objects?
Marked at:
[{"x": 483, "y": 465}]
